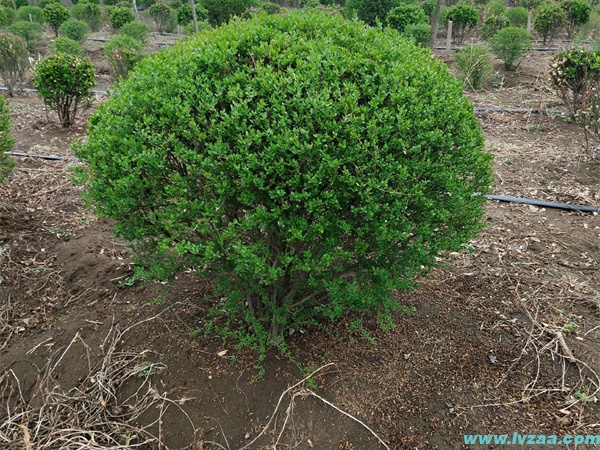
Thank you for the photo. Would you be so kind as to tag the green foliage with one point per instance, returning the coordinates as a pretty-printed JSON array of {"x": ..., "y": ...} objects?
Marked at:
[
  {"x": 269, "y": 7},
  {"x": 428, "y": 7},
  {"x": 405, "y": 14},
  {"x": 30, "y": 31},
  {"x": 6, "y": 142},
  {"x": 189, "y": 28},
  {"x": 496, "y": 8},
  {"x": 7, "y": 16},
  {"x": 517, "y": 16},
  {"x": 119, "y": 16},
  {"x": 370, "y": 11},
  {"x": 122, "y": 54},
  {"x": 310, "y": 164},
  {"x": 511, "y": 45},
  {"x": 30, "y": 14},
  {"x": 549, "y": 21},
  {"x": 184, "y": 14},
  {"x": 136, "y": 30},
  {"x": 13, "y": 60},
  {"x": 529, "y": 4},
  {"x": 147, "y": 3},
  {"x": 573, "y": 74},
  {"x": 419, "y": 33},
  {"x": 492, "y": 25},
  {"x": 65, "y": 45},
  {"x": 43, "y": 3},
  {"x": 111, "y": 2},
  {"x": 474, "y": 63},
  {"x": 75, "y": 29},
  {"x": 577, "y": 12},
  {"x": 55, "y": 15},
  {"x": 65, "y": 83},
  {"x": 310, "y": 3},
  {"x": 89, "y": 13},
  {"x": 220, "y": 11},
  {"x": 163, "y": 16},
  {"x": 464, "y": 17}
]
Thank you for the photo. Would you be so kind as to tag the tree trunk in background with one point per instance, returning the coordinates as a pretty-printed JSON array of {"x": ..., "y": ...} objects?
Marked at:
[
  {"x": 435, "y": 21},
  {"x": 137, "y": 15},
  {"x": 194, "y": 16}
]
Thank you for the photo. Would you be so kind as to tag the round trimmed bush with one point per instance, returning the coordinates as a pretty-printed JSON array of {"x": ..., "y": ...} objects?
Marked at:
[
  {"x": 549, "y": 21},
  {"x": 56, "y": 14},
  {"x": 492, "y": 25},
  {"x": 65, "y": 45},
  {"x": 405, "y": 14},
  {"x": 75, "y": 29},
  {"x": 30, "y": 31},
  {"x": 14, "y": 60},
  {"x": 122, "y": 54},
  {"x": 119, "y": 16},
  {"x": 464, "y": 17},
  {"x": 7, "y": 16},
  {"x": 370, "y": 11},
  {"x": 30, "y": 14},
  {"x": 419, "y": 32},
  {"x": 511, "y": 44},
  {"x": 310, "y": 164},
  {"x": 89, "y": 13},
  {"x": 65, "y": 83},
  {"x": 220, "y": 11},
  {"x": 136, "y": 30},
  {"x": 163, "y": 16},
  {"x": 578, "y": 14},
  {"x": 517, "y": 16}
]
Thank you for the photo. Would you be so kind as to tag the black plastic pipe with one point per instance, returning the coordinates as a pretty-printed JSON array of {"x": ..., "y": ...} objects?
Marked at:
[
  {"x": 527, "y": 201},
  {"x": 95, "y": 91},
  {"x": 49, "y": 157}
]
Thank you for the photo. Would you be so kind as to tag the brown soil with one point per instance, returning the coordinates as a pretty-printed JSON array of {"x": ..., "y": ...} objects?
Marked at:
[{"x": 504, "y": 337}]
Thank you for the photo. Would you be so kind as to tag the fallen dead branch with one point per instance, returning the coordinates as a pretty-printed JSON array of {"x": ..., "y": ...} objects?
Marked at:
[
  {"x": 298, "y": 390},
  {"x": 92, "y": 415}
]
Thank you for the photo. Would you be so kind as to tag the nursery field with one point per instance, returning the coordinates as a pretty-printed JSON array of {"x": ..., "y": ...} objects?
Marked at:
[{"x": 504, "y": 337}]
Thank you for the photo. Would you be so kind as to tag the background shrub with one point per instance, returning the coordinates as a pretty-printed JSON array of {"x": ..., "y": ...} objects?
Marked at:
[
  {"x": 517, "y": 16},
  {"x": 55, "y": 15},
  {"x": 549, "y": 21},
  {"x": 577, "y": 14},
  {"x": 496, "y": 8},
  {"x": 119, "y": 16},
  {"x": 89, "y": 13},
  {"x": 405, "y": 14},
  {"x": 299, "y": 222},
  {"x": 163, "y": 16},
  {"x": 122, "y": 54},
  {"x": 270, "y": 7},
  {"x": 370, "y": 11},
  {"x": 428, "y": 7},
  {"x": 511, "y": 45},
  {"x": 189, "y": 28},
  {"x": 111, "y": 2},
  {"x": 65, "y": 84},
  {"x": 6, "y": 142},
  {"x": 474, "y": 64},
  {"x": 14, "y": 60},
  {"x": 136, "y": 30},
  {"x": 43, "y": 3},
  {"x": 147, "y": 3},
  {"x": 65, "y": 45},
  {"x": 75, "y": 29},
  {"x": 573, "y": 73},
  {"x": 464, "y": 17},
  {"x": 30, "y": 14},
  {"x": 492, "y": 25},
  {"x": 30, "y": 31},
  {"x": 220, "y": 11},
  {"x": 419, "y": 33},
  {"x": 7, "y": 16}
]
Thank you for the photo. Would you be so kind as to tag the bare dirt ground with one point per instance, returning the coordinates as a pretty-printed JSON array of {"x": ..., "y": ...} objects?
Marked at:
[{"x": 505, "y": 335}]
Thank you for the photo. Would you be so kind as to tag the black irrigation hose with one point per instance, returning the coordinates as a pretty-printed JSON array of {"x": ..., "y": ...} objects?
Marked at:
[
  {"x": 527, "y": 201},
  {"x": 537, "y": 49},
  {"x": 519, "y": 110},
  {"x": 49, "y": 157},
  {"x": 502, "y": 198},
  {"x": 106, "y": 40}
]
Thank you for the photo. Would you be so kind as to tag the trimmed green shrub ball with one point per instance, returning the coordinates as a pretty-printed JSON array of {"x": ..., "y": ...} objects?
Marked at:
[{"x": 309, "y": 163}]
